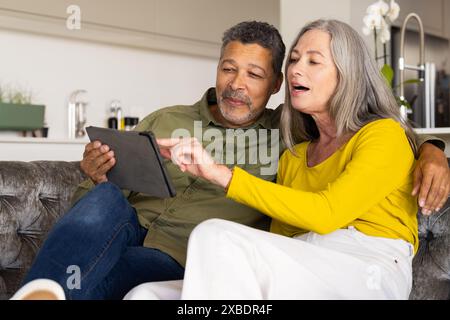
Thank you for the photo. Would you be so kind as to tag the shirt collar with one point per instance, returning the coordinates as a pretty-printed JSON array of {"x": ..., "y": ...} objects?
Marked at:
[{"x": 209, "y": 99}]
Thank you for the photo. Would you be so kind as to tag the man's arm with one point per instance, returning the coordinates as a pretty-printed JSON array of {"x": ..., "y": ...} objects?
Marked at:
[{"x": 431, "y": 175}]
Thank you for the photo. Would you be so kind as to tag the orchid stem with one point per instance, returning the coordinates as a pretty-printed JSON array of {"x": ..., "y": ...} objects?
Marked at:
[{"x": 376, "y": 47}]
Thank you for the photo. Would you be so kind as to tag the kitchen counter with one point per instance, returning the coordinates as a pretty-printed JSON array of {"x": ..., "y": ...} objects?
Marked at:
[
  {"x": 31, "y": 149},
  {"x": 443, "y": 133},
  {"x": 42, "y": 140},
  {"x": 434, "y": 131}
]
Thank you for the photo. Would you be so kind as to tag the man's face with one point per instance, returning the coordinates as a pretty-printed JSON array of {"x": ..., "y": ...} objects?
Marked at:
[{"x": 245, "y": 81}]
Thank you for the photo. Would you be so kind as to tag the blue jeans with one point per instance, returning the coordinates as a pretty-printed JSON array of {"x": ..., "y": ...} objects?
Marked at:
[{"x": 101, "y": 238}]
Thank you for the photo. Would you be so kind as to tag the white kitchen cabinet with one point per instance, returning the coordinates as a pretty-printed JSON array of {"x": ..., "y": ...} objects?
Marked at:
[{"x": 192, "y": 27}]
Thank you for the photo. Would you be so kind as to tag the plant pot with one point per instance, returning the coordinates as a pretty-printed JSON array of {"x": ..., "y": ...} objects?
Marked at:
[{"x": 21, "y": 117}]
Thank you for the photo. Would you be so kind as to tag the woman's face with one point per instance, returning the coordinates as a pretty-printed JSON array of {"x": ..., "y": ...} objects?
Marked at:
[{"x": 312, "y": 74}]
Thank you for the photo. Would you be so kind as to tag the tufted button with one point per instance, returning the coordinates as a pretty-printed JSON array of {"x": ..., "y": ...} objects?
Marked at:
[
  {"x": 47, "y": 199},
  {"x": 31, "y": 237},
  {"x": 7, "y": 202}
]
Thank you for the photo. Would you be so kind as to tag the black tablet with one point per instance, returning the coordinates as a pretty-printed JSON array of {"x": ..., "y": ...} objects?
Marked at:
[{"x": 139, "y": 165}]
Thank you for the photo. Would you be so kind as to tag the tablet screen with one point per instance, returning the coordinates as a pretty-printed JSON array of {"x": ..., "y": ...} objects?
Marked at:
[{"x": 139, "y": 166}]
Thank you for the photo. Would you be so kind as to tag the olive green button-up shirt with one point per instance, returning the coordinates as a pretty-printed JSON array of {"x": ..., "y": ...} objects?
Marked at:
[{"x": 170, "y": 221}]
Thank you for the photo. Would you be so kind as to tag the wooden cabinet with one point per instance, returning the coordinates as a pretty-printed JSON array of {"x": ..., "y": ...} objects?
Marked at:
[{"x": 189, "y": 27}]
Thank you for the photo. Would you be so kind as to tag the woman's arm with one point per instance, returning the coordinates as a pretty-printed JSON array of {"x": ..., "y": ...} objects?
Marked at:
[{"x": 378, "y": 166}]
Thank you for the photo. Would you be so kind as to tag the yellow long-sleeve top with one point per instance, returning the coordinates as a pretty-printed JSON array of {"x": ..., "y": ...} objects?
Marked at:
[{"x": 366, "y": 183}]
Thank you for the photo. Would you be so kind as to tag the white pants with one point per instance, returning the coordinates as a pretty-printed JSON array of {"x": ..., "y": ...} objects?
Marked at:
[{"x": 227, "y": 260}]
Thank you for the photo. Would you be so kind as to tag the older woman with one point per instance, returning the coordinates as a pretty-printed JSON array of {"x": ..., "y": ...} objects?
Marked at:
[{"x": 344, "y": 221}]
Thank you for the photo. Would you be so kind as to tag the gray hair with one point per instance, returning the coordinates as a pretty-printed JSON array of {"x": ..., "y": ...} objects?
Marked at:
[
  {"x": 362, "y": 94},
  {"x": 262, "y": 33}
]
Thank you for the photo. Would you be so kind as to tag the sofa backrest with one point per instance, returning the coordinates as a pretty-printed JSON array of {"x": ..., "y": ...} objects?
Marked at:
[{"x": 33, "y": 195}]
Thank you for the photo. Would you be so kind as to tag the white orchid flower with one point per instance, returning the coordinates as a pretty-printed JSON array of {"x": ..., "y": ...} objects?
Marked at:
[
  {"x": 377, "y": 21},
  {"x": 373, "y": 21},
  {"x": 379, "y": 7},
  {"x": 394, "y": 11},
  {"x": 373, "y": 9}
]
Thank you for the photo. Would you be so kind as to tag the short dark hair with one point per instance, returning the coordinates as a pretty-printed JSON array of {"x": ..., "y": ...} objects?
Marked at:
[{"x": 261, "y": 33}]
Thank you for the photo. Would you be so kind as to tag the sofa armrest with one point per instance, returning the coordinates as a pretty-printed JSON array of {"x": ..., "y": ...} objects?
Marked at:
[{"x": 33, "y": 195}]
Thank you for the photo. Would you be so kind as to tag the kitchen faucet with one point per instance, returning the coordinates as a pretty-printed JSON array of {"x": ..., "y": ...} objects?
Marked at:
[{"x": 427, "y": 73}]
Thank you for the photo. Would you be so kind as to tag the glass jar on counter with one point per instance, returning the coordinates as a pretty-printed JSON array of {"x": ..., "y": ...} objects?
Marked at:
[{"x": 131, "y": 123}]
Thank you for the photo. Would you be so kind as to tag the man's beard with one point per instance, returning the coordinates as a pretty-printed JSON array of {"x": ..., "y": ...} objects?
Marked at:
[{"x": 227, "y": 111}]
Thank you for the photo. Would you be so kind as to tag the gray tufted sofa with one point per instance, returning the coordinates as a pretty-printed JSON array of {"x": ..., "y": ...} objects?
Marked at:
[{"x": 33, "y": 195}]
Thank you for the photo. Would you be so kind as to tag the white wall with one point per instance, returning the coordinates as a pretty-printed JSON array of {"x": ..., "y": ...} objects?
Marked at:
[
  {"x": 296, "y": 13},
  {"x": 143, "y": 80}
]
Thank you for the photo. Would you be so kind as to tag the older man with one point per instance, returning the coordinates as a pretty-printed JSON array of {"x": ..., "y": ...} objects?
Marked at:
[{"x": 118, "y": 239}]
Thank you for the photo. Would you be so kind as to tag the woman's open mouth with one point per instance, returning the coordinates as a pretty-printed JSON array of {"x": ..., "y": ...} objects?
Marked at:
[{"x": 300, "y": 89}]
